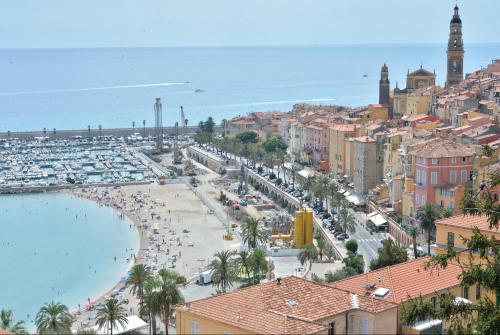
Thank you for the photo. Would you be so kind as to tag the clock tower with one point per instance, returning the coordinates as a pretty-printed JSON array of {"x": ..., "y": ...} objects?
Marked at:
[{"x": 455, "y": 72}]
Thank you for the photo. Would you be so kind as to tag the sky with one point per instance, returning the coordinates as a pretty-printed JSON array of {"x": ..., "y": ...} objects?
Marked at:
[{"x": 169, "y": 23}]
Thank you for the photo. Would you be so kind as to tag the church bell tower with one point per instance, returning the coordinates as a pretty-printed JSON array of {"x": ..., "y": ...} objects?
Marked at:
[
  {"x": 384, "y": 86},
  {"x": 455, "y": 72}
]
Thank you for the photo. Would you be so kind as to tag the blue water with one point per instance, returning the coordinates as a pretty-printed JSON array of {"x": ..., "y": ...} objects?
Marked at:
[
  {"x": 49, "y": 254},
  {"x": 73, "y": 88}
]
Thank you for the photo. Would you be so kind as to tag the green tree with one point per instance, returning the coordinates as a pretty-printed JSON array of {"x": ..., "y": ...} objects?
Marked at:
[
  {"x": 7, "y": 323},
  {"x": 428, "y": 215},
  {"x": 391, "y": 253},
  {"x": 209, "y": 125},
  {"x": 139, "y": 274},
  {"x": 346, "y": 221},
  {"x": 307, "y": 253},
  {"x": 253, "y": 233},
  {"x": 168, "y": 293},
  {"x": 352, "y": 246},
  {"x": 329, "y": 252},
  {"x": 224, "y": 269},
  {"x": 247, "y": 137},
  {"x": 151, "y": 303},
  {"x": 258, "y": 263},
  {"x": 274, "y": 144},
  {"x": 53, "y": 318},
  {"x": 340, "y": 274},
  {"x": 355, "y": 262},
  {"x": 413, "y": 232},
  {"x": 110, "y": 315},
  {"x": 321, "y": 245},
  {"x": 243, "y": 262}
]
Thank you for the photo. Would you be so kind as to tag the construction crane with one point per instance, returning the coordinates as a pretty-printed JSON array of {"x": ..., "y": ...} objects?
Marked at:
[
  {"x": 177, "y": 153},
  {"x": 188, "y": 164},
  {"x": 158, "y": 125}
]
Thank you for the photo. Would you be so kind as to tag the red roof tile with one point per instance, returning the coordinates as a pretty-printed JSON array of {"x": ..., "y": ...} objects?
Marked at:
[{"x": 403, "y": 280}]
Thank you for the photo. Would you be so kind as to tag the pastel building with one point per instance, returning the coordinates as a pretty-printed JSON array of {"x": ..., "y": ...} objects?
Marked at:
[
  {"x": 339, "y": 134},
  {"x": 439, "y": 168}
]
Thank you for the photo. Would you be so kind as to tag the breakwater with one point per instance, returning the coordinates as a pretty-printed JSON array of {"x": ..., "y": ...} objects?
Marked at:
[{"x": 94, "y": 132}]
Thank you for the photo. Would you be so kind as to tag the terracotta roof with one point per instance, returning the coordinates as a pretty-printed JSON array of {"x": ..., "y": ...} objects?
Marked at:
[
  {"x": 295, "y": 306},
  {"x": 4, "y": 332},
  {"x": 444, "y": 149},
  {"x": 469, "y": 222},
  {"x": 344, "y": 127},
  {"x": 364, "y": 139},
  {"x": 403, "y": 280}
]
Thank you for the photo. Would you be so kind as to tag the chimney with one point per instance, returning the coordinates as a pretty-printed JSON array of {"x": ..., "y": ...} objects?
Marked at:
[{"x": 278, "y": 281}]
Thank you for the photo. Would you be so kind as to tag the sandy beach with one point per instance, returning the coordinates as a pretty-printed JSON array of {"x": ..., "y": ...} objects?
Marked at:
[{"x": 176, "y": 231}]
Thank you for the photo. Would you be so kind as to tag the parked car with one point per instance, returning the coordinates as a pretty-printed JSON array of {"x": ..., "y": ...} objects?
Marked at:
[{"x": 342, "y": 237}]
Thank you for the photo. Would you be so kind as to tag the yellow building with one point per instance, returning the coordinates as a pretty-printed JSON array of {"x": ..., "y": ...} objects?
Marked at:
[
  {"x": 337, "y": 146},
  {"x": 449, "y": 197},
  {"x": 368, "y": 303},
  {"x": 303, "y": 228},
  {"x": 397, "y": 283},
  {"x": 289, "y": 305},
  {"x": 374, "y": 112},
  {"x": 455, "y": 227},
  {"x": 419, "y": 101}
]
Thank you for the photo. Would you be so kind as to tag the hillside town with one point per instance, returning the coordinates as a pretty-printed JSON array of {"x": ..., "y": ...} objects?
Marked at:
[{"x": 325, "y": 219}]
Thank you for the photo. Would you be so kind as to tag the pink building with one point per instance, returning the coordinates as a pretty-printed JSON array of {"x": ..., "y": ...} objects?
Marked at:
[
  {"x": 440, "y": 167},
  {"x": 316, "y": 143}
]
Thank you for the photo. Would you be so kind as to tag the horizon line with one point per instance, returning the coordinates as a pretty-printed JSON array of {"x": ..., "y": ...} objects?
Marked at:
[{"x": 236, "y": 46}]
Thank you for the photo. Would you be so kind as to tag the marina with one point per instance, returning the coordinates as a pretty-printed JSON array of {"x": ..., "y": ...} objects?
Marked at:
[{"x": 63, "y": 163}]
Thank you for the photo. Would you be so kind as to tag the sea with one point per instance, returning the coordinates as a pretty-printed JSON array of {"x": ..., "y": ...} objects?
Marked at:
[
  {"x": 57, "y": 247},
  {"x": 77, "y": 88}
]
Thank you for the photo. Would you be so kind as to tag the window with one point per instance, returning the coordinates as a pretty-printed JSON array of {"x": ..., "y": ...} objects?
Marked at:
[
  {"x": 363, "y": 326},
  {"x": 331, "y": 328},
  {"x": 463, "y": 176},
  {"x": 418, "y": 177},
  {"x": 434, "y": 161},
  {"x": 417, "y": 199},
  {"x": 451, "y": 238},
  {"x": 424, "y": 178},
  {"x": 434, "y": 178},
  {"x": 478, "y": 291},
  {"x": 453, "y": 159},
  {"x": 433, "y": 301},
  {"x": 423, "y": 199},
  {"x": 464, "y": 159},
  {"x": 195, "y": 328},
  {"x": 466, "y": 292},
  {"x": 453, "y": 177},
  {"x": 471, "y": 175}
]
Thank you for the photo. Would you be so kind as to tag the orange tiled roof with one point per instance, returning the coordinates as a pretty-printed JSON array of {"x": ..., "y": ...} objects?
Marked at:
[
  {"x": 344, "y": 127},
  {"x": 469, "y": 222},
  {"x": 4, "y": 332},
  {"x": 295, "y": 306},
  {"x": 444, "y": 149},
  {"x": 403, "y": 280}
]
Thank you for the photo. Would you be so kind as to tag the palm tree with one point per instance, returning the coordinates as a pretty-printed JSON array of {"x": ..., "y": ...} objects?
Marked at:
[
  {"x": 150, "y": 304},
  {"x": 428, "y": 215},
  {"x": 224, "y": 269},
  {"x": 295, "y": 169},
  {"x": 258, "y": 264},
  {"x": 7, "y": 323},
  {"x": 168, "y": 293},
  {"x": 111, "y": 315},
  {"x": 321, "y": 245},
  {"x": 139, "y": 274},
  {"x": 253, "y": 233},
  {"x": 321, "y": 188},
  {"x": 347, "y": 221},
  {"x": 244, "y": 263},
  {"x": 339, "y": 200},
  {"x": 413, "y": 232},
  {"x": 53, "y": 318},
  {"x": 308, "y": 252}
]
